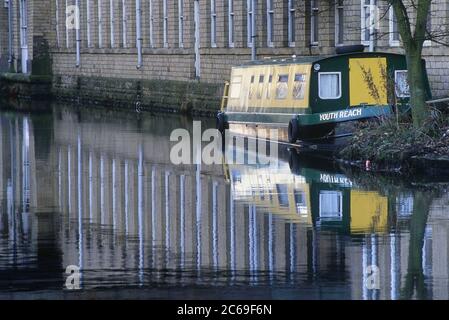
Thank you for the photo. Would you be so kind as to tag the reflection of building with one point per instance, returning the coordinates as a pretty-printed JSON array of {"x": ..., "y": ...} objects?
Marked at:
[{"x": 102, "y": 194}]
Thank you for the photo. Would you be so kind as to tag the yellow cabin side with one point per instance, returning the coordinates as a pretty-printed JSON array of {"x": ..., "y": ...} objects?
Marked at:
[{"x": 269, "y": 88}]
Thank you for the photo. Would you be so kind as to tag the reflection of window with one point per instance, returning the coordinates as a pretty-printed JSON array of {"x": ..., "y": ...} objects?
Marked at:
[
  {"x": 404, "y": 205},
  {"x": 401, "y": 84},
  {"x": 329, "y": 84},
  {"x": 300, "y": 201},
  {"x": 331, "y": 203},
  {"x": 299, "y": 86},
  {"x": 282, "y": 87},
  {"x": 282, "y": 194},
  {"x": 236, "y": 86}
]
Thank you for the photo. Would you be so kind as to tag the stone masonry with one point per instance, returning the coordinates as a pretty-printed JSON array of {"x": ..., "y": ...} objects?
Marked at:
[{"x": 173, "y": 39}]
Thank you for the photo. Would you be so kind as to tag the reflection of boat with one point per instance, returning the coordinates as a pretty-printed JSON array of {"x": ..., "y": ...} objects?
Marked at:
[
  {"x": 311, "y": 191},
  {"x": 318, "y": 98}
]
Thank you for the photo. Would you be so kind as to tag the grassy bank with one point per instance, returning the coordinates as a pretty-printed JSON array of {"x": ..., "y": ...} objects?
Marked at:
[{"x": 395, "y": 145}]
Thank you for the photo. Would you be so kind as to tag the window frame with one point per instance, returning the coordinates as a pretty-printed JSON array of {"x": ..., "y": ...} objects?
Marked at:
[
  {"x": 181, "y": 23},
  {"x": 393, "y": 42},
  {"x": 339, "y": 84},
  {"x": 291, "y": 24},
  {"x": 363, "y": 25},
  {"x": 339, "y": 25},
  {"x": 270, "y": 23},
  {"x": 402, "y": 96},
  {"x": 213, "y": 23},
  {"x": 314, "y": 22},
  {"x": 231, "y": 22}
]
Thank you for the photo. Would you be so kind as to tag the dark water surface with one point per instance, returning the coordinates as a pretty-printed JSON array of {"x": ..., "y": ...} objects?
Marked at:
[{"x": 97, "y": 190}]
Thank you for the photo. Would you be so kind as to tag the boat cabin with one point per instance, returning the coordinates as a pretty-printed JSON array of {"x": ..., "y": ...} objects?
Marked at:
[{"x": 317, "y": 90}]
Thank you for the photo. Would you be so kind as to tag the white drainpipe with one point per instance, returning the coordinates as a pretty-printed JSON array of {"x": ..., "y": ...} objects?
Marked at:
[
  {"x": 372, "y": 12},
  {"x": 10, "y": 54},
  {"x": 77, "y": 35},
  {"x": 138, "y": 34}
]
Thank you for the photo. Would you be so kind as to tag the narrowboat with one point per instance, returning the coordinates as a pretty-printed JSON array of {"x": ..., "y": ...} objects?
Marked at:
[{"x": 315, "y": 98}]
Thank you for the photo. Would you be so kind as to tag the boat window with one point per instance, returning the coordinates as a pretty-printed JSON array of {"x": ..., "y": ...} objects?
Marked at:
[
  {"x": 299, "y": 86},
  {"x": 331, "y": 205},
  {"x": 282, "y": 87},
  {"x": 270, "y": 80},
  {"x": 401, "y": 84},
  {"x": 282, "y": 191},
  {"x": 300, "y": 200},
  {"x": 329, "y": 85},
  {"x": 236, "y": 86}
]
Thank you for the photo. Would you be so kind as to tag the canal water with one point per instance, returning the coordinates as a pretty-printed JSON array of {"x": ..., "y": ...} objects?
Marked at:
[{"x": 95, "y": 191}]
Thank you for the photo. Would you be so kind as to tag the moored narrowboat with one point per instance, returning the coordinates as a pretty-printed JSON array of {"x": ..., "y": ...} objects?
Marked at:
[{"x": 315, "y": 98}]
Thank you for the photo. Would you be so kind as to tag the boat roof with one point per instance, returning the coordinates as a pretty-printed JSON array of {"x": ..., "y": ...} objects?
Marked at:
[{"x": 308, "y": 60}]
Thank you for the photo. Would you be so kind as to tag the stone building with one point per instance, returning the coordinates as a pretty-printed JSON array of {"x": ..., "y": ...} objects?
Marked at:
[{"x": 178, "y": 53}]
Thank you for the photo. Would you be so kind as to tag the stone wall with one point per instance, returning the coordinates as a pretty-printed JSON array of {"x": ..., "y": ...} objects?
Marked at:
[{"x": 109, "y": 45}]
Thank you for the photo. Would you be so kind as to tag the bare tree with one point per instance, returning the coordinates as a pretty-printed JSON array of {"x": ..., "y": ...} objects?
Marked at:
[{"x": 413, "y": 35}]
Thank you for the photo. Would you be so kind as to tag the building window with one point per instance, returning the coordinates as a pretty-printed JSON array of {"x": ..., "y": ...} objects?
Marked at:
[
  {"x": 100, "y": 24},
  {"x": 329, "y": 85},
  {"x": 249, "y": 22},
  {"x": 213, "y": 24},
  {"x": 165, "y": 22},
  {"x": 339, "y": 22},
  {"x": 231, "y": 23},
  {"x": 428, "y": 42},
  {"x": 394, "y": 32},
  {"x": 57, "y": 24},
  {"x": 151, "y": 23},
  {"x": 112, "y": 22},
  {"x": 270, "y": 23},
  {"x": 401, "y": 84},
  {"x": 124, "y": 25},
  {"x": 314, "y": 23},
  {"x": 291, "y": 23},
  {"x": 181, "y": 23},
  {"x": 331, "y": 205},
  {"x": 88, "y": 24},
  {"x": 67, "y": 31},
  {"x": 366, "y": 22}
]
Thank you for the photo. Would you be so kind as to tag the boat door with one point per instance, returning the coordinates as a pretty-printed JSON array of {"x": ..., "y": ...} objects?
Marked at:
[{"x": 368, "y": 81}]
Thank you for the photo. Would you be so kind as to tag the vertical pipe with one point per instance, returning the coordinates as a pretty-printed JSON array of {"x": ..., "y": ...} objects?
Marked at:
[
  {"x": 77, "y": 34},
  {"x": 253, "y": 31},
  {"x": 88, "y": 17},
  {"x": 10, "y": 51},
  {"x": 112, "y": 22},
  {"x": 371, "y": 26},
  {"x": 100, "y": 24},
  {"x": 57, "y": 23},
  {"x": 197, "y": 39},
  {"x": 138, "y": 34}
]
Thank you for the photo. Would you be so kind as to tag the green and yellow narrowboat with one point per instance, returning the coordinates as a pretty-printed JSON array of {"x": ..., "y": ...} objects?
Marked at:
[{"x": 315, "y": 98}]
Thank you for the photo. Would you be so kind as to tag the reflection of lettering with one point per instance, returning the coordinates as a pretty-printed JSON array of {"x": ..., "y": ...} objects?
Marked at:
[
  {"x": 373, "y": 278},
  {"x": 328, "y": 178},
  {"x": 340, "y": 114}
]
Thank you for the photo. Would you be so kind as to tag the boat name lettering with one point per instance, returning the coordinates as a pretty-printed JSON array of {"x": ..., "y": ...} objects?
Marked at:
[{"x": 340, "y": 114}]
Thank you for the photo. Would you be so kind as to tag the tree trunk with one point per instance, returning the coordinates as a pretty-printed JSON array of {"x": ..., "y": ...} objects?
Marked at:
[{"x": 417, "y": 87}]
